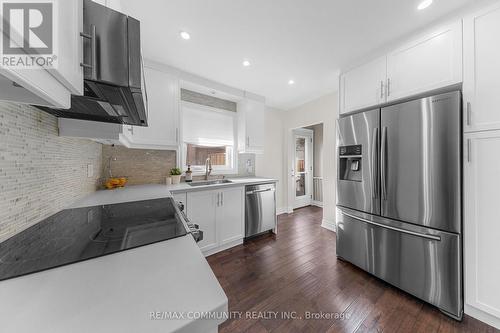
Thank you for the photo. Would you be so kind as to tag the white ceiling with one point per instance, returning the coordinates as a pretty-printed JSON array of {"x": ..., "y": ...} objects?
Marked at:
[{"x": 304, "y": 40}]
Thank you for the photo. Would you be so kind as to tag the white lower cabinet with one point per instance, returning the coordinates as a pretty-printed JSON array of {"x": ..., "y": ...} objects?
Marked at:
[
  {"x": 482, "y": 226},
  {"x": 220, "y": 215},
  {"x": 201, "y": 210},
  {"x": 231, "y": 215}
]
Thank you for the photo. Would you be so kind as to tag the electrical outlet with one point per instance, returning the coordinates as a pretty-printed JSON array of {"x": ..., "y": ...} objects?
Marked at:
[{"x": 90, "y": 170}]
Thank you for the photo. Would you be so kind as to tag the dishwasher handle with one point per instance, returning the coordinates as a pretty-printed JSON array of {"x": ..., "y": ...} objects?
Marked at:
[{"x": 260, "y": 191}]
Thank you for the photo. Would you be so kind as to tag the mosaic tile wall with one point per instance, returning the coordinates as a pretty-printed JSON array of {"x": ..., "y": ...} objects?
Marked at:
[{"x": 40, "y": 172}]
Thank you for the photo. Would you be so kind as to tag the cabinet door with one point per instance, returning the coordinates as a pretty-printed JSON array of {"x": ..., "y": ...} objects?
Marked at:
[
  {"x": 481, "y": 70},
  {"x": 255, "y": 126},
  {"x": 481, "y": 225},
  {"x": 162, "y": 131},
  {"x": 251, "y": 127},
  {"x": 431, "y": 62},
  {"x": 202, "y": 211},
  {"x": 69, "y": 16},
  {"x": 363, "y": 86},
  {"x": 231, "y": 215}
]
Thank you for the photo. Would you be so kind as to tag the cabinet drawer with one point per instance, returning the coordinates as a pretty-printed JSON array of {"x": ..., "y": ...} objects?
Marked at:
[{"x": 427, "y": 268}]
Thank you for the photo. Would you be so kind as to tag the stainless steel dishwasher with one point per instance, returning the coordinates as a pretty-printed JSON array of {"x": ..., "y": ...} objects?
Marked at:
[{"x": 260, "y": 209}]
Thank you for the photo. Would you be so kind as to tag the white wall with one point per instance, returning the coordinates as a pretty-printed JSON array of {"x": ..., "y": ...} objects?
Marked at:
[
  {"x": 318, "y": 149},
  {"x": 270, "y": 164},
  {"x": 322, "y": 110}
]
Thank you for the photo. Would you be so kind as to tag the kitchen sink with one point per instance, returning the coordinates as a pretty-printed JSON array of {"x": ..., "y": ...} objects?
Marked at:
[{"x": 210, "y": 182}]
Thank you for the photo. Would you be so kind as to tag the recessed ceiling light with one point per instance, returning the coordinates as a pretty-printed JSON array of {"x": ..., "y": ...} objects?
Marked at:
[
  {"x": 290, "y": 82},
  {"x": 185, "y": 35},
  {"x": 246, "y": 63},
  {"x": 424, "y": 4}
]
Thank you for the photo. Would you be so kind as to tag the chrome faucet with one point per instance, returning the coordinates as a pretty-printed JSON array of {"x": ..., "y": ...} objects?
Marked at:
[{"x": 208, "y": 168}]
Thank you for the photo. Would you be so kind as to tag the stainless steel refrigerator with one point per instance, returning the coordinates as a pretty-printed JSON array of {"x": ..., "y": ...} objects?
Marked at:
[{"x": 399, "y": 194}]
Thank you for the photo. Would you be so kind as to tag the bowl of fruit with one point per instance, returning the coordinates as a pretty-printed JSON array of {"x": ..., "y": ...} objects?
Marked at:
[{"x": 115, "y": 182}]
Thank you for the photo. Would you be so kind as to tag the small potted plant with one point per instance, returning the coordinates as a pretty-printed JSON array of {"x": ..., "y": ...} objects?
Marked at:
[{"x": 175, "y": 173}]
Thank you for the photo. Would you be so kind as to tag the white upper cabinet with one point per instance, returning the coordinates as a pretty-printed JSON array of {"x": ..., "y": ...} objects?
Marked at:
[
  {"x": 251, "y": 129},
  {"x": 427, "y": 63},
  {"x": 430, "y": 62},
  {"x": 35, "y": 87},
  {"x": 482, "y": 70},
  {"x": 50, "y": 87},
  {"x": 481, "y": 225},
  {"x": 70, "y": 50},
  {"x": 162, "y": 132},
  {"x": 363, "y": 86}
]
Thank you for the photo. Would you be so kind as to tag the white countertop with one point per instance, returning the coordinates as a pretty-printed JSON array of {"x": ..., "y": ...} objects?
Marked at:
[
  {"x": 156, "y": 191},
  {"x": 116, "y": 293},
  {"x": 185, "y": 187}
]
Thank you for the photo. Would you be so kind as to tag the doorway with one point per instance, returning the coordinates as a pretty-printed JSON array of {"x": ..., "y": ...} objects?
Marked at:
[{"x": 302, "y": 167}]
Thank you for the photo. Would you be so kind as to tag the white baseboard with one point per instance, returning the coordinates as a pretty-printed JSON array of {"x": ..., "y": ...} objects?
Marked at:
[
  {"x": 281, "y": 210},
  {"x": 317, "y": 203},
  {"x": 330, "y": 225},
  {"x": 226, "y": 246},
  {"x": 290, "y": 210},
  {"x": 482, "y": 316}
]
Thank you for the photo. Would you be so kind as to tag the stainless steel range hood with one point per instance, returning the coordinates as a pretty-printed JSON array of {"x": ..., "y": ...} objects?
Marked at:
[{"x": 114, "y": 89}]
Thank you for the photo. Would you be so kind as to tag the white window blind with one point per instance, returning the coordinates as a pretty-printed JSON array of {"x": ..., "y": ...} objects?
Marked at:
[{"x": 207, "y": 126}]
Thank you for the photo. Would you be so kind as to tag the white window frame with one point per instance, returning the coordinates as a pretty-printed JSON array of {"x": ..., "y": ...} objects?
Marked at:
[{"x": 216, "y": 170}]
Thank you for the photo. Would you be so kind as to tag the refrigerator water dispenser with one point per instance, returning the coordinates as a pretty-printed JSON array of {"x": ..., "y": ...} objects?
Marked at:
[{"x": 350, "y": 163}]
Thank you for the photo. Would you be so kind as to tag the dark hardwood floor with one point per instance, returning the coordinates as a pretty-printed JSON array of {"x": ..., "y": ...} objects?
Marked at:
[{"x": 297, "y": 272}]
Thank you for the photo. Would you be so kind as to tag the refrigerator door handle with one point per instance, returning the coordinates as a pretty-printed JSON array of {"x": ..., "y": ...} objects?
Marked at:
[
  {"x": 375, "y": 148},
  {"x": 404, "y": 231},
  {"x": 383, "y": 163}
]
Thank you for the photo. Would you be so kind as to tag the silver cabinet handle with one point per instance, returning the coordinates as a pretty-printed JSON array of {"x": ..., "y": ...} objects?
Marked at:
[
  {"x": 218, "y": 199},
  {"x": 248, "y": 141},
  {"x": 388, "y": 87},
  {"x": 131, "y": 129},
  {"x": 222, "y": 198},
  {"x": 381, "y": 89},
  {"x": 469, "y": 151},
  {"x": 468, "y": 114},
  {"x": 93, "y": 52},
  {"x": 404, "y": 231},
  {"x": 177, "y": 135},
  {"x": 383, "y": 163},
  {"x": 374, "y": 164}
]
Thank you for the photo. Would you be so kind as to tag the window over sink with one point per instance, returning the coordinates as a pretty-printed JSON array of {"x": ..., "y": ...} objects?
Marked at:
[{"x": 208, "y": 132}]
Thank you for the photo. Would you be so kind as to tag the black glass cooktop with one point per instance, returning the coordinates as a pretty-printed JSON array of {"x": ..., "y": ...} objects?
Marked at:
[{"x": 78, "y": 234}]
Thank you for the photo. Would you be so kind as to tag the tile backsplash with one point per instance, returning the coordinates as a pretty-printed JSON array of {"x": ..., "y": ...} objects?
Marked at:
[
  {"x": 141, "y": 166},
  {"x": 246, "y": 165},
  {"x": 40, "y": 172}
]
